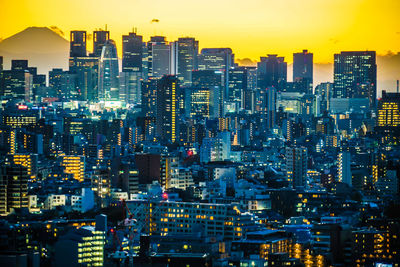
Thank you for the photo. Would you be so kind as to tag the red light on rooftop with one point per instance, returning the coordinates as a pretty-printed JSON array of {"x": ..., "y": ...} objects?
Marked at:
[
  {"x": 165, "y": 196},
  {"x": 23, "y": 107}
]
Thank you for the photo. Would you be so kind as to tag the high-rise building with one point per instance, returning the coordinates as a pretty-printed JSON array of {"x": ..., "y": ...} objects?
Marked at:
[
  {"x": 1, "y": 63},
  {"x": 132, "y": 52},
  {"x": 63, "y": 83},
  {"x": 303, "y": 70},
  {"x": 184, "y": 57},
  {"x": 270, "y": 106},
  {"x": 237, "y": 86},
  {"x": 130, "y": 87},
  {"x": 77, "y": 44},
  {"x": 74, "y": 166},
  {"x": 216, "y": 148},
  {"x": 324, "y": 91},
  {"x": 344, "y": 167},
  {"x": 217, "y": 59},
  {"x": 272, "y": 71},
  {"x": 16, "y": 84},
  {"x": 167, "y": 108},
  {"x": 214, "y": 81},
  {"x": 19, "y": 64},
  {"x": 82, "y": 246},
  {"x": 108, "y": 73},
  {"x": 388, "y": 116},
  {"x": 199, "y": 102},
  {"x": 355, "y": 76},
  {"x": 15, "y": 173},
  {"x": 149, "y": 97},
  {"x": 99, "y": 40},
  {"x": 389, "y": 110},
  {"x": 85, "y": 70},
  {"x": 159, "y": 56},
  {"x": 296, "y": 166}
]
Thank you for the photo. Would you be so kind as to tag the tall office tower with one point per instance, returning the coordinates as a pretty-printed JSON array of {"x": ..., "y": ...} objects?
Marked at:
[
  {"x": 63, "y": 83},
  {"x": 17, "y": 83},
  {"x": 99, "y": 40},
  {"x": 132, "y": 68},
  {"x": 132, "y": 52},
  {"x": 388, "y": 116},
  {"x": 130, "y": 87},
  {"x": 85, "y": 70},
  {"x": 184, "y": 59},
  {"x": 214, "y": 81},
  {"x": 379, "y": 166},
  {"x": 149, "y": 97},
  {"x": 199, "y": 102},
  {"x": 19, "y": 64},
  {"x": 237, "y": 86},
  {"x": 303, "y": 70},
  {"x": 296, "y": 166},
  {"x": 389, "y": 110},
  {"x": 218, "y": 59},
  {"x": 344, "y": 167},
  {"x": 1, "y": 63},
  {"x": 324, "y": 91},
  {"x": 270, "y": 106},
  {"x": 15, "y": 174},
  {"x": 159, "y": 57},
  {"x": 272, "y": 71},
  {"x": 108, "y": 73},
  {"x": 248, "y": 100},
  {"x": 77, "y": 44},
  {"x": 167, "y": 108},
  {"x": 355, "y": 76}
]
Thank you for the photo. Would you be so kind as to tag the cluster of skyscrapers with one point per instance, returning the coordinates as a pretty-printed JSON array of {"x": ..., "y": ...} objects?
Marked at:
[{"x": 196, "y": 160}]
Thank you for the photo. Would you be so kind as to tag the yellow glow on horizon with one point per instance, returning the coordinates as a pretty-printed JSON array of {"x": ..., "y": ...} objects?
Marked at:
[{"x": 252, "y": 28}]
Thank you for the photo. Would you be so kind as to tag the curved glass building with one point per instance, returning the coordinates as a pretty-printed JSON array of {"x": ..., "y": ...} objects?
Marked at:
[{"x": 108, "y": 73}]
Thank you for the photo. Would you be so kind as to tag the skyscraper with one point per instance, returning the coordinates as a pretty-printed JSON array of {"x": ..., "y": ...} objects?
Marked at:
[
  {"x": 217, "y": 59},
  {"x": 272, "y": 71},
  {"x": 237, "y": 85},
  {"x": 85, "y": 70},
  {"x": 167, "y": 108},
  {"x": 1, "y": 63},
  {"x": 324, "y": 91},
  {"x": 214, "y": 81},
  {"x": 344, "y": 168},
  {"x": 149, "y": 96},
  {"x": 132, "y": 52},
  {"x": 355, "y": 76},
  {"x": 270, "y": 106},
  {"x": 77, "y": 44},
  {"x": 296, "y": 165},
  {"x": 185, "y": 52},
  {"x": 99, "y": 40},
  {"x": 18, "y": 82},
  {"x": 132, "y": 68},
  {"x": 108, "y": 73},
  {"x": 159, "y": 58},
  {"x": 388, "y": 116},
  {"x": 303, "y": 70}
]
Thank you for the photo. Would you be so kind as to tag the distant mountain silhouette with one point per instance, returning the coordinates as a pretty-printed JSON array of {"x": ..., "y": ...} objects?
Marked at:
[{"x": 44, "y": 49}]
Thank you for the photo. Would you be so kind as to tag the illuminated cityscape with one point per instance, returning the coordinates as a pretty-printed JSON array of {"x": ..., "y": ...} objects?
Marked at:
[{"x": 154, "y": 146}]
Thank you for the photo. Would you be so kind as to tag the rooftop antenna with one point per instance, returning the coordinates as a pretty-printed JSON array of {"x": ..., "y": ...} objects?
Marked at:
[
  {"x": 397, "y": 86},
  {"x": 106, "y": 27}
]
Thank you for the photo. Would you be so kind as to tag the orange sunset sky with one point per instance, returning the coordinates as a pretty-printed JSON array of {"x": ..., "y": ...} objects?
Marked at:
[{"x": 252, "y": 28}]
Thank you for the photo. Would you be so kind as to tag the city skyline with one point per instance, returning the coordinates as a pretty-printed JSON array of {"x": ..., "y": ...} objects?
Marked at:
[{"x": 326, "y": 28}]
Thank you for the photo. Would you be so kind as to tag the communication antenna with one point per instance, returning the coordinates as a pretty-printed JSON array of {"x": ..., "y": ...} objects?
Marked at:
[{"x": 397, "y": 86}]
